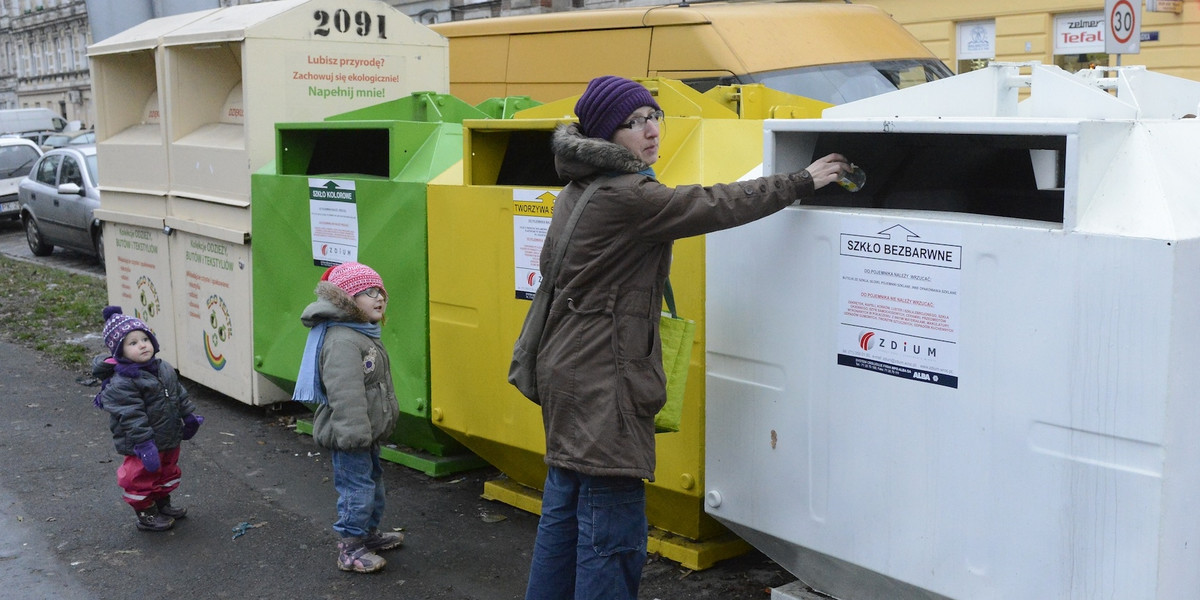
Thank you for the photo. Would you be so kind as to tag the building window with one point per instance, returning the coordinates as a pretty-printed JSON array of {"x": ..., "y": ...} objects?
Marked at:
[
  {"x": 60, "y": 48},
  {"x": 80, "y": 51}
]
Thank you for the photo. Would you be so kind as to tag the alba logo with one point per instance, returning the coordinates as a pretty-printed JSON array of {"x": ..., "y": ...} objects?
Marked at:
[
  {"x": 531, "y": 279},
  {"x": 324, "y": 249},
  {"x": 864, "y": 339}
]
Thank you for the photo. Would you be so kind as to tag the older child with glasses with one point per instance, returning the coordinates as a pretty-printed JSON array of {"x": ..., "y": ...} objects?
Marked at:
[{"x": 345, "y": 373}]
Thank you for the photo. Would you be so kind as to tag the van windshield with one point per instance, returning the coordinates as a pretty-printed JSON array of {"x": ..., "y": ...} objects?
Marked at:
[{"x": 838, "y": 84}]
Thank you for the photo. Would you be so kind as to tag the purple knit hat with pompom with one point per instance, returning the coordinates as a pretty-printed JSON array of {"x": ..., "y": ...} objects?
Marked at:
[
  {"x": 117, "y": 325},
  {"x": 608, "y": 101}
]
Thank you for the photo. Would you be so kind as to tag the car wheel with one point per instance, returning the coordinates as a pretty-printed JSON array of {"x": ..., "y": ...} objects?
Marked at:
[
  {"x": 98, "y": 245},
  {"x": 33, "y": 235}
]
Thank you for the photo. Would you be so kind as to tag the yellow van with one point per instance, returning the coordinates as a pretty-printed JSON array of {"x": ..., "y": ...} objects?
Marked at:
[{"x": 830, "y": 52}]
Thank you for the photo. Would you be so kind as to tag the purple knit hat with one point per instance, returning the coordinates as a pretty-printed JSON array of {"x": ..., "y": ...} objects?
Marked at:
[
  {"x": 117, "y": 325},
  {"x": 608, "y": 101}
]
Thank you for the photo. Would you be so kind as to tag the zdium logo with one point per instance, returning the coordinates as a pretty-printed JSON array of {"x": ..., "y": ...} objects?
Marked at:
[{"x": 864, "y": 339}]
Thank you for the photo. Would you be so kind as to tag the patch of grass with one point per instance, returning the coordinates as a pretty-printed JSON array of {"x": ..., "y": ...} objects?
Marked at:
[{"x": 46, "y": 309}]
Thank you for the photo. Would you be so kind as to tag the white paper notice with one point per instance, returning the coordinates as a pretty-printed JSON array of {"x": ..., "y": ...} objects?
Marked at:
[
  {"x": 333, "y": 217},
  {"x": 532, "y": 210},
  {"x": 899, "y": 301}
]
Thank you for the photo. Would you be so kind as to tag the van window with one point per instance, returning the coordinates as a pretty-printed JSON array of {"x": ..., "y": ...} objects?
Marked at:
[
  {"x": 838, "y": 84},
  {"x": 16, "y": 161}
]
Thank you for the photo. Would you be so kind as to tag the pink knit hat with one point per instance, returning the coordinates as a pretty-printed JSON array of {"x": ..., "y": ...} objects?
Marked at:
[{"x": 353, "y": 278}]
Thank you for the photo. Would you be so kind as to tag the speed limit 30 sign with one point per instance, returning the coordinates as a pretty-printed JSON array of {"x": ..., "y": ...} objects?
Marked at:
[{"x": 1124, "y": 26}]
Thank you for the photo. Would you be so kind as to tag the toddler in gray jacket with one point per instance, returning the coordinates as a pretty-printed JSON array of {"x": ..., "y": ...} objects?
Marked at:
[{"x": 149, "y": 415}]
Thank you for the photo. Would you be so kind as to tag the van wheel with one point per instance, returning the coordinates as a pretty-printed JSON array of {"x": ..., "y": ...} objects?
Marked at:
[
  {"x": 98, "y": 245},
  {"x": 33, "y": 235}
]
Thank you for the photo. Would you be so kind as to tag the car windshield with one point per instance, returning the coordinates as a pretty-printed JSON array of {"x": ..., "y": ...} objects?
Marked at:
[
  {"x": 16, "y": 161},
  {"x": 93, "y": 172},
  {"x": 838, "y": 84}
]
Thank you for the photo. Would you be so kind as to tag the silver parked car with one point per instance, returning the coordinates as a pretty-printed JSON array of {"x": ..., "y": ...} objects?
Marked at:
[{"x": 57, "y": 200}]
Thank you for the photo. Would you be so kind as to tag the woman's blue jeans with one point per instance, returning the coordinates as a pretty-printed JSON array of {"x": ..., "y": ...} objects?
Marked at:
[
  {"x": 591, "y": 539},
  {"x": 358, "y": 479}
]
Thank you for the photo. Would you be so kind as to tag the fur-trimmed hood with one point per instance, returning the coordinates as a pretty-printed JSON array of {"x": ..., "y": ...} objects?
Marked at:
[
  {"x": 578, "y": 157},
  {"x": 332, "y": 304}
]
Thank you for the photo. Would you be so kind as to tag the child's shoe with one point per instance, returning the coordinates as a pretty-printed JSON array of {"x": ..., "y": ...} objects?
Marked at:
[
  {"x": 353, "y": 555},
  {"x": 383, "y": 540},
  {"x": 165, "y": 508},
  {"x": 149, "y": 519}
]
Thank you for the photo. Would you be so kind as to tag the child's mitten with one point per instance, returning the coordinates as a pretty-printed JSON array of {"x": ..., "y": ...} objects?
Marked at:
[
  {"x": 148, "y": 452},
  {"x": 191, "y": 424}
]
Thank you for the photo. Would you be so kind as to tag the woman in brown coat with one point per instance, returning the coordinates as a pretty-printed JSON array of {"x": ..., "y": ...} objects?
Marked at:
[{"x": 599, "y": 370}]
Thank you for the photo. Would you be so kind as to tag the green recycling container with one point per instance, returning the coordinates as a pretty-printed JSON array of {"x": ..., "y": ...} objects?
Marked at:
[{"x": 353, "y": 188}]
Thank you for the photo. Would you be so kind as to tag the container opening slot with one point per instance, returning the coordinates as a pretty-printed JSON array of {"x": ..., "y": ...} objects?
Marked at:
[
  {"x": 335, "y": 151},
  {"x": 528, "y": 160},
  {"x": 1017, "y": 176}
]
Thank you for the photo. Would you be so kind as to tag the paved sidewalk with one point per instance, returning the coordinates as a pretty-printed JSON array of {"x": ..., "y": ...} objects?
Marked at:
[{"x": 26, "y": 563}]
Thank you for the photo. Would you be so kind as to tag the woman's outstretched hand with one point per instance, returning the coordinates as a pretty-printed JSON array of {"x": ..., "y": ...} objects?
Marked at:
[{"x": 828, "y": 169}]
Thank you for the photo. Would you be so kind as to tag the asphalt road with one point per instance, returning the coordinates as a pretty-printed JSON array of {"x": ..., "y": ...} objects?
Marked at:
[
  {"x": 13, "y": 245},
  {"x": 65, "y": 533}
]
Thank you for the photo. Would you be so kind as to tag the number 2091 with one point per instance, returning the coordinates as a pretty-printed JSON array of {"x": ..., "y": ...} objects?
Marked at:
[{"x": 341, "y": 22}]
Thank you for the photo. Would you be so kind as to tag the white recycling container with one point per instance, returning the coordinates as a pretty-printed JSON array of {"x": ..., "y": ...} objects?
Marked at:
[{"x": 975, "y": 377}]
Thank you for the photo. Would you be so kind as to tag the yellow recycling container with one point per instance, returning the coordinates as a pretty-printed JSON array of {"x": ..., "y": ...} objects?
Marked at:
[{"x": 484, "y": 241}]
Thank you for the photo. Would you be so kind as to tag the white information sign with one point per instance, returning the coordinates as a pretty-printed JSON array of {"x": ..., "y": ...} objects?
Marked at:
[
  {"x": 333, "y": 221},
  {"x": 532, "y": 210},
  {"x": 1124, "y": 34},
  {"x": 899, "y": 301},
  {"x": 977, "y": 40}
]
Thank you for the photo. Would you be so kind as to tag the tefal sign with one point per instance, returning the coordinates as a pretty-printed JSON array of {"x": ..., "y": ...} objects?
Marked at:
[{"x": 1079, "y": 33}]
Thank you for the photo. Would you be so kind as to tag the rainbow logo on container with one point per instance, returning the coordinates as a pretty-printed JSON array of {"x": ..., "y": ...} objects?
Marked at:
[{"x": 220, "y": 330}]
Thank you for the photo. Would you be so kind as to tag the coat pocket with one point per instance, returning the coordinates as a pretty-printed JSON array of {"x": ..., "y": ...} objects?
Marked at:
[
  {"x": 634, "y": 337},
  {"x": 643, "y": 386}
]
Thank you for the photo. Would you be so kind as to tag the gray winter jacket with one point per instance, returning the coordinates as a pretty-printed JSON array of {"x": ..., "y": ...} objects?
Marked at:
[
  {"x": 149, "y": 406},
  {"x": 600, "y": 369},
  {"x": 362, "y": 408}
]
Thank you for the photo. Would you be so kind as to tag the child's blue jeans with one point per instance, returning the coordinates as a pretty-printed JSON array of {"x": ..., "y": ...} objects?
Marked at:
[
  {"x": 591, "y": 539},
  {"x": 358, "y": 479}
]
